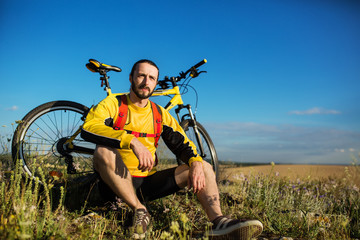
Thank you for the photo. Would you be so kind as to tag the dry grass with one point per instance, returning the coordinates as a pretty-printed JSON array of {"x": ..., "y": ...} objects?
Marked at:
[{"x": 294, "y": 171}]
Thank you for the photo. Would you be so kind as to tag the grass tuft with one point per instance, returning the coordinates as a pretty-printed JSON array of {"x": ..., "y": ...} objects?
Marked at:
[{"x": 301, "y": 209}]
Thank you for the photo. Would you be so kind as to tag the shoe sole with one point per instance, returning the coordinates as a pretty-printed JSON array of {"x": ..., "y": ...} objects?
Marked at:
[{"x": 241, "y": 231}]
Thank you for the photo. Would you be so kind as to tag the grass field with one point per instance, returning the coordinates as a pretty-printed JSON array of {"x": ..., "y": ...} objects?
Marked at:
[
  {"x": 293, "y": 172},
  {"x": 293, "y": 201}
]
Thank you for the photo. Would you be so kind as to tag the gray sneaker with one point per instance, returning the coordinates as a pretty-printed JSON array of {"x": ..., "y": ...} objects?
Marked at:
[
  {"x": 226, "y": 228},
  {"x": 141, "y": 223}
]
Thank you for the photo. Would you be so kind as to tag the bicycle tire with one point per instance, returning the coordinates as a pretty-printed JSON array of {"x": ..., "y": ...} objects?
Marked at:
[
  {"x": 36, "y": 139},
  {"x": 209, "y": 148}
]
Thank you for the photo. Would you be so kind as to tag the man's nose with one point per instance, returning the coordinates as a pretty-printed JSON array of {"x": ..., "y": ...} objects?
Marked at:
[{"x": 146, "y": 80}]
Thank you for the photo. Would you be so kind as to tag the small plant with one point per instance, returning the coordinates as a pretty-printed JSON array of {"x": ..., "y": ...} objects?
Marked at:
[
  {"x": 301, "y": 208},
  {"x": 305, "y": 208}
]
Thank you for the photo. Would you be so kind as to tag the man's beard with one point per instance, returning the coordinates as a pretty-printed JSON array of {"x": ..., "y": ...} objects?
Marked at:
[{"x": 138, "y": 93}]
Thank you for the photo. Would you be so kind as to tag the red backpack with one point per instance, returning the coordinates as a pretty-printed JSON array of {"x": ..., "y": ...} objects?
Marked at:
[{"x": 121, "y": 120}]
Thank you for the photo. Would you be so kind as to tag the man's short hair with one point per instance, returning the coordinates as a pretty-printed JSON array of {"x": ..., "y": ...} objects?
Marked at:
[{"x": 144, "y": 61}]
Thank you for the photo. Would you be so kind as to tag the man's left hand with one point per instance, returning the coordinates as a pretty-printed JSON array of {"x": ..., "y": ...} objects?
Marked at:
[{"x": 196, "y": 177}]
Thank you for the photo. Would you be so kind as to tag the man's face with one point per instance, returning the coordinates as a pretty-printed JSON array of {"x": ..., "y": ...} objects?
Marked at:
[{"x": 144, "y": 80}]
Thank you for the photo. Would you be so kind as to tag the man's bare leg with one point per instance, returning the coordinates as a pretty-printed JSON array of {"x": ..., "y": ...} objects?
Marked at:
[
  {"x": 114, "y": 173},
  {"x": 209, "y": 196}
]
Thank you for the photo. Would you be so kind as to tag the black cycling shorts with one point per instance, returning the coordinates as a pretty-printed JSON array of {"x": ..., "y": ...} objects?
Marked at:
[{"x": 160, "y": 184}]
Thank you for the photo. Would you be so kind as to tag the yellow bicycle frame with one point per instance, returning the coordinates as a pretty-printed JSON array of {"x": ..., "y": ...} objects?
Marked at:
[{"x": 174, "y": 101}]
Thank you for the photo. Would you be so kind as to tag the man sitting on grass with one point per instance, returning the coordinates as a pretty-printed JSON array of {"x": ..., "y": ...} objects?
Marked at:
[{"x": 125, "y": 163}]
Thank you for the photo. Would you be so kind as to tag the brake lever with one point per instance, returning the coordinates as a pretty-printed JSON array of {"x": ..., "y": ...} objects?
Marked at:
[{"x": 195, "y": 72}]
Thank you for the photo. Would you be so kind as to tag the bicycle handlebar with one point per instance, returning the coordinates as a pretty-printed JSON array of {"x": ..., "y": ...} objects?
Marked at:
[
  {"x": 200, "y": 63},
  {"x": 193, "y": 71},
  {"x": 182, "y": 75}
]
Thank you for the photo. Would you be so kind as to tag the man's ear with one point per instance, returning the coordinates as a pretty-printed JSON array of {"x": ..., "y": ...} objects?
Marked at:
[{"x": 130, "y": 78}]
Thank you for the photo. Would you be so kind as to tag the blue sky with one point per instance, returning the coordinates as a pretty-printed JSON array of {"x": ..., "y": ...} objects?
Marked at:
[{"x": 282, "y": 82}]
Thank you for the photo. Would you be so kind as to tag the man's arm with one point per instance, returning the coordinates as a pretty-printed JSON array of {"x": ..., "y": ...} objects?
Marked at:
[
  {"x": 98, "y": 126},
  {"x": 146, "y": 161},
  {"x": 177, "y": 141}
]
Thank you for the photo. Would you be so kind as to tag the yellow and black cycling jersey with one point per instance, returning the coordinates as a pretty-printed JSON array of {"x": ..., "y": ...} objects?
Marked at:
[{"x": 98, "y": 128}]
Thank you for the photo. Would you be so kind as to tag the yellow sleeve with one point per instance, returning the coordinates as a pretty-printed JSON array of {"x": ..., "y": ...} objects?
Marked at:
[{"x": 98, "y": 126}]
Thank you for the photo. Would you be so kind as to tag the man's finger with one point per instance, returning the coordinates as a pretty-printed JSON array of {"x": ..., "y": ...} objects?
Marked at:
[
  {"x": 146, "y": 164},
  {"x": 196, "y": 184},
  {"x": 189, "y": 185}
]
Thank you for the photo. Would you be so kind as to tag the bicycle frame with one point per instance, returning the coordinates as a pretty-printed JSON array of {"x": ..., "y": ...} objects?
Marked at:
[
  {"x": 64, "y": 144},
  {"x": 176, "y": 100}
]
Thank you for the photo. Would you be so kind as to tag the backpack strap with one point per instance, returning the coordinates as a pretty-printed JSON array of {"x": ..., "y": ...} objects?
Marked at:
[
  {"x": 122, "y": 116},
  {"x": 157, "y": 122}
]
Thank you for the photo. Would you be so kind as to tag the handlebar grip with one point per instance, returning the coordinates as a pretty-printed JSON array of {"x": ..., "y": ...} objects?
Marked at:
[{"x": 200, "y": 63}]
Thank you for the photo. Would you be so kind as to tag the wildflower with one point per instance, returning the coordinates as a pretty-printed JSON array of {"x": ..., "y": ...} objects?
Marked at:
[
  {"x": 345, "y": 223},
  {"x": 166, "y": 235},
  {"x": 12, "y": 219},
  {"x": 355, "y": 188},
  {"x": 184, "y": 218},
  {"x": 32, "y": 208},
  {"x": 23, "y": 235},
  {"x": 60, "y": 218},
  {"x": 277, "y": 174},
  {"x": 175, "y": 227},
  {"x": 240, "y": 176}
]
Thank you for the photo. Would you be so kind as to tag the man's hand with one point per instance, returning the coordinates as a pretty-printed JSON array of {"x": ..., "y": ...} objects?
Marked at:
[
  {"x": 146, "y": 161},
  {"x": 196, "y": 177}
]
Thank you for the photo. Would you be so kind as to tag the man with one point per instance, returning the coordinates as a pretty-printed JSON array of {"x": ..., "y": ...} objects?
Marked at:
[{"x": 125, "y": 163}]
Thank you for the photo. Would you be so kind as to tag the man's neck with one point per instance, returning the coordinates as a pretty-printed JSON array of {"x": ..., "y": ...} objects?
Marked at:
[{"x": 138, "y": 101}]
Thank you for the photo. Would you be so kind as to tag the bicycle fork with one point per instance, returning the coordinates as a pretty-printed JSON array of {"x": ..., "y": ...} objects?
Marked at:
[{"x": 193, "y": 124}]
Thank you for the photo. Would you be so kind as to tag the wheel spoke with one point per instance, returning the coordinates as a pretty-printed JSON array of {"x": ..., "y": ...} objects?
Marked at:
[
  {"x": 51, "y": 124},
  {"x": 208, "y": 149}
]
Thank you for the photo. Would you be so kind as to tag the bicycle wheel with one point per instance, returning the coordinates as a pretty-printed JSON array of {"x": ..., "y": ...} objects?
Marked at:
[
  {"x": 39, "y": 141},
  {"x": 209, "y": 153}
]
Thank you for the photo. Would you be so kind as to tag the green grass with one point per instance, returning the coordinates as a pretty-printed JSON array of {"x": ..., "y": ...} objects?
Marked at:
[{"x": 301, "y": 209}]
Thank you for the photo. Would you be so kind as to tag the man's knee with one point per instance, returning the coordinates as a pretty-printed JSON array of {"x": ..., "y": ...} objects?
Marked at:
[
  {"x": 109, "y": 159},
  {"x": 104, "y": 156},
  {"x": 182, "y": 173},
  {"x": 208, "y": 170}
]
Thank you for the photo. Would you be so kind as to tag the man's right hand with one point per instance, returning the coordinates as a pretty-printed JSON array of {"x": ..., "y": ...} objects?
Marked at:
[{"x": 146, "y": 161}]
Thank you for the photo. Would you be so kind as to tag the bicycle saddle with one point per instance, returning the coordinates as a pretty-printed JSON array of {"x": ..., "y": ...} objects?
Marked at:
[{"x": 96, "y": 66}]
